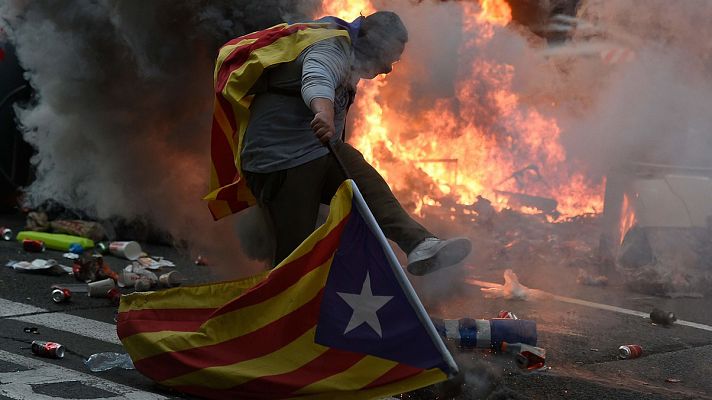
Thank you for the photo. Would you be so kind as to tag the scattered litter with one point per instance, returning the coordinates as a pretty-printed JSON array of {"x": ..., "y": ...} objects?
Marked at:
[
  {"x": 56, "y": 241},
  {"x": 102, "y": 247},
  {"x": 105, "y": 361},
  {"x": 170, "y": 279},
  {"x": 61, "y": 295},
  {"x": 129, "y": 250},
  {"x": 71, "y": 256},
  {"x": 92, "y": 268},
  {"x": 135, "y": 272},
  {"x": 101, "y": 288},
  {"x": 200, "y": 260},
  {"x": 487, "y": 333},
  {"x": 660, "y": 317},
  {"x": 73, "y": 287},
  {"x": 5, "y": 233},
  {"x": 76, "y": 248},
  {"x": 588, "y": 279},
  {"x": 114, "y": 296},
  {"x": 593, "y": 349},
  {"x": 629, "y": 351},
  {"x": 673, "y": 380},
  {"x": 142, "y": 284},
  {"x": 526, "y": 357},
  {"x": 47, "y": 349},
  {"x": 506, "y": 314},
  {"x": 50, "y": 267},
  {"x": 31, "y": 329},
  {"x": 38, "y": 221},
  {"x": 512, "y": 289},
  {"x": 33, "y": 246},
  {"x": 154, "y": 262}
]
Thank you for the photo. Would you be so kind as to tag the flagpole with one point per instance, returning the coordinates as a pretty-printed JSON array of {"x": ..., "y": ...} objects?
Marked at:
[{"x": 402, "y": 278}]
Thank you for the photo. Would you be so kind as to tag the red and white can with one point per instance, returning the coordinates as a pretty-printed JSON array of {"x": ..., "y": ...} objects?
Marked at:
[
  {"x": 60, "y": 295},
  {"x": 47, "y": 349},
  {"x": 630, "y": 351},
  {"x": 506, "y": 314},
  {"x": 114, "y": 296},
  {"x": 34, "y": 246},
  {"x": 5, "y": 233}
]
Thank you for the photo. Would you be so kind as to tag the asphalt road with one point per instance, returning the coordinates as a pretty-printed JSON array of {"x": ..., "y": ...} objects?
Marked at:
[{"x": 581, "y": 341}]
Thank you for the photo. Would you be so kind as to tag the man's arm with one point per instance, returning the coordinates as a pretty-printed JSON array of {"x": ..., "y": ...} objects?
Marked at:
[{"x": 325, "y": 67}]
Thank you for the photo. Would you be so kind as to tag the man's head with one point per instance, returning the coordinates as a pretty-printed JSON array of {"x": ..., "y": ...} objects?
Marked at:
[{"x": 381, "y": 41}]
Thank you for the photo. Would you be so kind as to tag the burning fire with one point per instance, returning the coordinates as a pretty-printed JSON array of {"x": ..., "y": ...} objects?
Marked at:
[
  {"x": 628, "y": 218},
  {"x": 481, "y": 141}
]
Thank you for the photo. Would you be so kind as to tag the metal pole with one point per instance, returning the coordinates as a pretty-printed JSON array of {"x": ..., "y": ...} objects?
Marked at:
[{"x": 330, "y": 146}]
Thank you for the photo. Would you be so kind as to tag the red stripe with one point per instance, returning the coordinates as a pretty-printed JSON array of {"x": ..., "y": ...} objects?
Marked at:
[
  {"x": 238, "y": 57},
  {"x": 397, "y": 373},
  {"x": 331, "y": 362},
  {"x": 265, "y": 340},
  {"x": 284, "y": 277},
  {"x": 252, "y": 35},
  {"x": 221, "y": 154},
  {"x": 156, "y": 320}
]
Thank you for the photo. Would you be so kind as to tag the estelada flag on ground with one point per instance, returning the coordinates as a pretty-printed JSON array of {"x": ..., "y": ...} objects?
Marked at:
[
  {"x": 239, "y": 65},
  {"x": 337, "y": 319}
]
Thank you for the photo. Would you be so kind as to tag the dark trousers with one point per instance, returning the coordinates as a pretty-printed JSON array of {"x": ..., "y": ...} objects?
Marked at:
[{"x": 290, "y": 199}]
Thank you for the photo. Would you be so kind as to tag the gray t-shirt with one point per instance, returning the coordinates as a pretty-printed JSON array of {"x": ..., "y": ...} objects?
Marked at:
[{"x": 279, "y": 135}]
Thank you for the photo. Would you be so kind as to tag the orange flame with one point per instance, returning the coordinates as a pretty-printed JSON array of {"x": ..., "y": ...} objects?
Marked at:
[
  {"x": 480, "y": 141},
  {"x": 628, "y": 218},
  {"x": 347, "y": 9},
  {"x": 496, "y": 12}
]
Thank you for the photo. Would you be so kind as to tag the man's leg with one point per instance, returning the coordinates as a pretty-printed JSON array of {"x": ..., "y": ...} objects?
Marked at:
[
  {"x": 426, "y": 253},
  {"x": 291, "y": 198},
  {"x": 395, "y": 222}
]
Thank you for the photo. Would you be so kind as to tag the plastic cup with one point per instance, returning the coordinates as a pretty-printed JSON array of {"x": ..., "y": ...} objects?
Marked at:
[
  {"x": 128, "y": 250},
  {"x": 101, "y": 288}
]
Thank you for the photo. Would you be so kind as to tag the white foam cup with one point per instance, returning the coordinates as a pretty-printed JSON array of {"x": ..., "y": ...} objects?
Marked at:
[
  {"x": 128, "y": 250},
  {"x": 101, "y": 288}
]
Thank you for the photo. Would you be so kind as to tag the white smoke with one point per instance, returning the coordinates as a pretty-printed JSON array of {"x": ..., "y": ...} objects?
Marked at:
[{"x": 123, "y": 105}]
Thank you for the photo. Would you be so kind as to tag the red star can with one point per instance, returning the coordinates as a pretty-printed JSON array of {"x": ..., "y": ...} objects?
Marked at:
[
  {"x": 61, "y": 295},
  {"x": 5, "y": 233},
  {"x": 628, "y": 351},
  {"x": 47, "y": 349},
  {"x": 34, "y": 246}
]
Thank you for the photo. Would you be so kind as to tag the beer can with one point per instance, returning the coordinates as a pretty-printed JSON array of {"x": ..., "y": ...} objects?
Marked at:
[
  {"x": 47, "y": 349},
  {"x": 61, "y": 295},
  {"x": 5, "y": 233},
  {"x": 114, "y": 296},
  {"x": 630, "y": 351},
  {"x": 35, "y": 246},
  {"x": 506, "y": 314}
]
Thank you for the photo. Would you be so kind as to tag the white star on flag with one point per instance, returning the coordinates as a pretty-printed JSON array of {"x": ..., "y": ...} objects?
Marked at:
[{"x": 365, "y": 306}]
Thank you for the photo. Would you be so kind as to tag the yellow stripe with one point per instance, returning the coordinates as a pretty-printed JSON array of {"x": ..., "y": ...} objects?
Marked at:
[
  {"x": 423, "y": 379},
  {"x": 359, "y": 375},
  {"x": 236, "y": 323},
  {"x": 209, "y": 295},
  {"x": 225, "y": 52},
  {"x": 286, "y": 359},
  {"x": 224, "y": 123}
]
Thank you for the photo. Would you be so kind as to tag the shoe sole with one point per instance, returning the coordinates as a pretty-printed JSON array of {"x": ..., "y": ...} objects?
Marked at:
[{"x": 449, "y": 255}]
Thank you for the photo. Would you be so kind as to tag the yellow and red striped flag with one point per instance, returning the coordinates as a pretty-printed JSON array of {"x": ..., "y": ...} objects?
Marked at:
[
  {"x": 336, "y": 319},
  {"x": 239, "y": 65}
]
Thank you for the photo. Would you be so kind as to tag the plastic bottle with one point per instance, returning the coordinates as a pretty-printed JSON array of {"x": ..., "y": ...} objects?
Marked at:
[
  {"x": 105, "y": 361},
  {"x": 487, "y": 333}
]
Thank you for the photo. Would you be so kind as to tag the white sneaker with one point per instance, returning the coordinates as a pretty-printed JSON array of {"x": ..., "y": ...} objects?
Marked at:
[{"x": 433, "y": 254}]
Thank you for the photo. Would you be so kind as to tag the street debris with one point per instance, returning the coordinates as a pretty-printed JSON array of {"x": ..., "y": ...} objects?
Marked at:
[
  {"x": 129, "y": 250},
  {"x": 105, "y": 361},
  {"x": 471, "y": 333},
  {"x": 73, "y": 287},
  {"x": 39, "y": 265},
  {"x": 133, "y": 273},
  {"x": 588, "y": 279},
  {"x": 512, "y": 289},
  {"x": 31, "y": 329},
  {"x": 47, "y": 349},
  {"x": 629, "y": 351},
  {"x": 5, "y": 233},
  {"x": 170, "y": 279},
  {"x": 660, "y": 317},
  {"x": 61, "y": 295},
  {"x": 89, "y": 268},
  {"x": 506, "y": 314},
  {"x": 39, "y": 222},
  {"x": 526, "y": 357},
  {"x": 200, "y": 260},
  {"x": 33, "y": 246},
  {"x": 673, "y": 380},
  {"x": 101, "y": 288},
  {"x": 56, "y": 241}
]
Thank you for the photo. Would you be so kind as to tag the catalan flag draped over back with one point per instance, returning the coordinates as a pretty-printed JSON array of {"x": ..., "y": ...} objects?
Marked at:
[
  {"x": 336, "y": 319},
  {"x": 239, "y": 65}
]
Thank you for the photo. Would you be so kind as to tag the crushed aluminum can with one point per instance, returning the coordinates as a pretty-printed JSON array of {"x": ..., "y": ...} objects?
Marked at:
[
  {"x": 114, "y": 296},
  {"x": 507, "y": 314},
  {"x": 170, "y": 279},
  {"x": 35, "y": 246},
  {"x": 61, "y": 295},
  {"x": 47, "y": 349},
  {"x": 5, "y": 233},
  {"x": 629, "y": 351},
  {"x": 660, "y": 317},
  {"x": 526, "y": 357}
]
